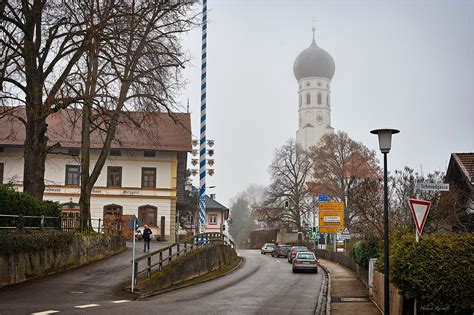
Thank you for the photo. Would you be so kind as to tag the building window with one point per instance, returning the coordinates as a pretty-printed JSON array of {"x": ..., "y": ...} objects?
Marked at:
[
  {"x": 328, "y": 100},
  {"x": 308, "y": 99},
  {"x": 300, "y": 101},
  {"x": 148, "y": 215},
  {"x": 148, "y": 177},
  {"x": 319, "y": 99},
  {"x": 114, "y": 176},
  {"x": 73, "y": 175},
  {"x": 1, "y": 173},
  {"x": 149, "y": 153},
  {"x": 113, "y": 210},
  {"x": 2, "y": 149},
  {"x": 115, "y": 152},
  {"x": 212, "y": 219}
]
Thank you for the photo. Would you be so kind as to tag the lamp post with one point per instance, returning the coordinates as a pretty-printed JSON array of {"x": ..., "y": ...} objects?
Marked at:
[{"x": 385, "y": 142}]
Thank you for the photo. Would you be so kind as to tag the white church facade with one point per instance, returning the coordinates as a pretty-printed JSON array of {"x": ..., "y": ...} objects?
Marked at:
[{"x": 313, "y": 69}]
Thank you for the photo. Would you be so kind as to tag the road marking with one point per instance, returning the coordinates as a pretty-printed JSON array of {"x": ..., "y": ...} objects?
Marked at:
[
  {"x": 86, "y": 305},
  {"x": 121, "y": 301},
  {"x": 45, "y": 312},
  {"x": 278, "y": 260}
]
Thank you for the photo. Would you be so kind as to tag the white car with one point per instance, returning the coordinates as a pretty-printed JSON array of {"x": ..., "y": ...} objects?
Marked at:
[
  {"x": 268, "y": 248},
  {"x": 305, "y": 261}
]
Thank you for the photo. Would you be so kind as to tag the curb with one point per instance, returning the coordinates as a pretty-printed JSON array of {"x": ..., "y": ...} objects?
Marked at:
[
  {"x": 325, "y": 293},
  {"x": 185, "y": 285}
]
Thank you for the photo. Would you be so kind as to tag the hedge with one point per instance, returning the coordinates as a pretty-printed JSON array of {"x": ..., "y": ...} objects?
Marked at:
[
  {"x": 365, "y": 249},
  {"x": 18, "y": 203},
  {"x": 20, "y": 241},
  {"x": 438, "y": 270}
]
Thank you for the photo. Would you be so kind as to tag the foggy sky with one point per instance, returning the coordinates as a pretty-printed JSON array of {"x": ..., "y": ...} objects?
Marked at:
[{"x": 407, "y": 65}]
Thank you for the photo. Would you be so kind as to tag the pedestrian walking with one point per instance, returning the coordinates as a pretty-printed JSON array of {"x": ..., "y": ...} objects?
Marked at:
[{"x": 146, "y": 238}]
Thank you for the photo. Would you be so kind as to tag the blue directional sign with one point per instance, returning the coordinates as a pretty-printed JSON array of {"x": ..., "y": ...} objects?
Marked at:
[{"x": 323, "y": 198}]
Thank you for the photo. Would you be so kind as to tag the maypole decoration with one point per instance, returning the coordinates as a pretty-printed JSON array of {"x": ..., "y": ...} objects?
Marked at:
[{"x": 202, "y": 148}]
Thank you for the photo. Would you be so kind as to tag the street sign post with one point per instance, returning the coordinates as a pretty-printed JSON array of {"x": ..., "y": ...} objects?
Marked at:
[
  {"x": 426, "y": 186},
  {"x": 419, "y": 210}
]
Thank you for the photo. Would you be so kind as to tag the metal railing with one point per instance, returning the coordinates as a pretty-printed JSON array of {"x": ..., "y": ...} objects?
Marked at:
[
  {"x": 19, "y": 220},
  {"x": 68, "y": 224},
  {"x": 158, "y": 259}
]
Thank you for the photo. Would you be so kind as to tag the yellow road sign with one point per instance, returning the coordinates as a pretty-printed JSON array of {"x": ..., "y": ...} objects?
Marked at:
[
  {"x": 331, "y": 206},
  {"x": 330, "y": 229}
]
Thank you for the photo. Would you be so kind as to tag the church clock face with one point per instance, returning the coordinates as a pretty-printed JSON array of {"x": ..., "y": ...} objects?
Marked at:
[{"x": 319, "y": 118}]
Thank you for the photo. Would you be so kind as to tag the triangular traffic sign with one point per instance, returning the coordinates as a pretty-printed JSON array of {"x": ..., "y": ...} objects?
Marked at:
[{"x": 419, "y": 210}]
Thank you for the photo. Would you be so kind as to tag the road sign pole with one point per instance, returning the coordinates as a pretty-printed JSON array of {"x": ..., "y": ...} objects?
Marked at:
[{"x": 133, "y": 253}]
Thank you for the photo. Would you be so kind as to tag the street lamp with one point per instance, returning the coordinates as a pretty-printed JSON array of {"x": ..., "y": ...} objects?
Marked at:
[{"x": 385, "y": 142}]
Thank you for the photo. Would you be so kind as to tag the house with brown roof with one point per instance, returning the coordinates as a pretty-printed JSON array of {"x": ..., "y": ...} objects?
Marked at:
[
  {"x": 460, "y": 176},
  {"x": 144, "y": 174}
]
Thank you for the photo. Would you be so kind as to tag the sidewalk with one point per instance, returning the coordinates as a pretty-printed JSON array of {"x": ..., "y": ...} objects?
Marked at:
[{"x": 348, "y": 294}]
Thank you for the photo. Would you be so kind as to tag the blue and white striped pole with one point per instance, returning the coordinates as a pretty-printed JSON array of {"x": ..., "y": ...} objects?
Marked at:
[{"x": 202, "y": 148}]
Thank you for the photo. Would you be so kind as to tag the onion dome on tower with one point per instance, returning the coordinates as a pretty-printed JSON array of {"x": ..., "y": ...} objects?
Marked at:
[{"x": 314, "y": 62}]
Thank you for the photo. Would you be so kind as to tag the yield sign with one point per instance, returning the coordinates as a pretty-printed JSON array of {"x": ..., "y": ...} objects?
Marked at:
[{"x": 419, "y": 210}]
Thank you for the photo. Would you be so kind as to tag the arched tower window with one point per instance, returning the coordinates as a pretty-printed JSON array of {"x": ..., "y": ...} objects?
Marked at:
[
  {"x": 328, "y": 100},
  {"x": 300, "y": 101},
  {"x": 308, "y": 99},
  {"x": 319, "y": 99}
]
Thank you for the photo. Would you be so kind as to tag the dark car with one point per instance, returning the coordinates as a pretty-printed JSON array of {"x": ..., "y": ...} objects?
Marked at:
[
  {"x": 294, "y": 250},
  {"x": 281, "y": 251}
]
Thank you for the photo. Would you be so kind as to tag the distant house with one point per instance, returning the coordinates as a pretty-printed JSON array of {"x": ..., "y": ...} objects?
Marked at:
[
  {"x": 460, "y": 175},
  {"x": 216, "y": 215},
  {"x": 144, "y": 173}
]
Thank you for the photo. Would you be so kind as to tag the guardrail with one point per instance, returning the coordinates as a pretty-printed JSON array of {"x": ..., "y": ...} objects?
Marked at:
[
  {"x": 68, "y": 224},
  {"x": 158, "y": 259}
]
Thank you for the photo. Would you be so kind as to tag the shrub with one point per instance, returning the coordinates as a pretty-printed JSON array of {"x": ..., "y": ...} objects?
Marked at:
[
  {"x": 20, "y": 241},
  {"x": 365, "y": 249},
  {"x": 438, "y": 270},
  {"x": 17, "y": 203}
]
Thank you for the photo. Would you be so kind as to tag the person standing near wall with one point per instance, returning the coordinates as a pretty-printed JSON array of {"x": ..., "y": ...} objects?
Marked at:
[{"x": 146, "y": 238}]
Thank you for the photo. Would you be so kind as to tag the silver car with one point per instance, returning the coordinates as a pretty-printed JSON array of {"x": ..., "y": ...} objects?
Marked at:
[
  {"x": 305, "y": 261},
  {"x": 267, "y": 248}
]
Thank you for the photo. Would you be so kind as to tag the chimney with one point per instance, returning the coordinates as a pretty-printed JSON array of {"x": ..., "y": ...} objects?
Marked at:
[{"x": 213, "y": 196}]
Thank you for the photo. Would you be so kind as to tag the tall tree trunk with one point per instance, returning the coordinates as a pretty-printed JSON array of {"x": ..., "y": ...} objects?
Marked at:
[
  {"x": 85, "y": 198},
  {"x": 35, "y": 141}
]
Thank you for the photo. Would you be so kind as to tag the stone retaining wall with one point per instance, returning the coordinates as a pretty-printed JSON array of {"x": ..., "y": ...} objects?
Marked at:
[
  {"x": 199, "y": 263},
  {"x": 19, "y": 267}
]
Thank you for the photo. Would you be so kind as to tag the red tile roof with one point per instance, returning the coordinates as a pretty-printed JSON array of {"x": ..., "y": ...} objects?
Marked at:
[
  {"x": 151, "y": 131},
  {"x": 466, "y": 163}
]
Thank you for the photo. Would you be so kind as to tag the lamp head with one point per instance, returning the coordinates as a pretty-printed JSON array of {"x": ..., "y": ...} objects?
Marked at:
[{"x": 385, "y": 138}]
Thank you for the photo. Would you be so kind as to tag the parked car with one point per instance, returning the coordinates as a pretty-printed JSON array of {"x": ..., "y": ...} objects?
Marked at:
[
  {"x": 267, "y": 248},
  {"x": 281, "y": 250},
  {"x": 305, "y": 261},
  {"x": 294, "y": 250}
]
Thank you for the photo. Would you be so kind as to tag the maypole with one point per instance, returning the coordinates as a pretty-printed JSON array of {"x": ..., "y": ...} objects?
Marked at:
[{"x": 202, "y": 147}]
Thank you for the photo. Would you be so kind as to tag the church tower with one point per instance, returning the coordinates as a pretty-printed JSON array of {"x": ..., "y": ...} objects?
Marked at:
[{"x": 314, "y": 69}]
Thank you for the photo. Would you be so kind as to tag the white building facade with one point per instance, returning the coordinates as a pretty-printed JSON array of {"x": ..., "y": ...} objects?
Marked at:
[
  {"x": 140, "y": 177},
  {"x": 313, "y": 69}
]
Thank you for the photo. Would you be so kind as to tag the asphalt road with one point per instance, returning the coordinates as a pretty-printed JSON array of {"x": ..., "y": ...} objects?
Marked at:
[{"x": 263, "y": 285}]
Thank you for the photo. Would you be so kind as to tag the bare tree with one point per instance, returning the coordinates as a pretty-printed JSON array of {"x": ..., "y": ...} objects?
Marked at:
[
  {"x": 339, "y": 164},
  {"x": 131, "y": 66},
  {"x": 41, "y": 42},
  {"x": 446, "y": 209},
  {"x": 289, "y": 171}
]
